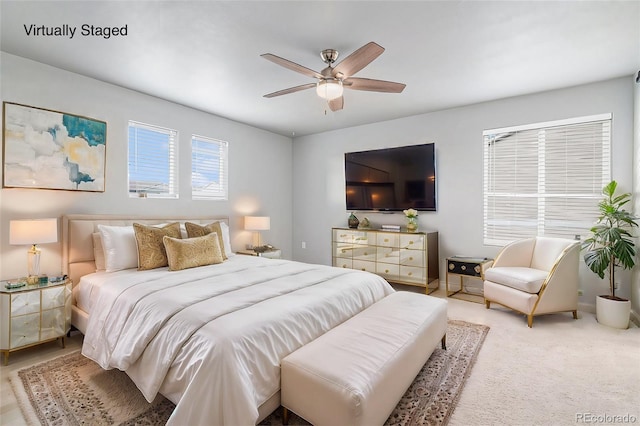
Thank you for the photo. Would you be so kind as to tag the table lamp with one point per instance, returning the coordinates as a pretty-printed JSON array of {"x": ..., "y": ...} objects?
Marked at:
[
  {"x": 33, "y": 232},
  {"x": 257, "y": 224}
]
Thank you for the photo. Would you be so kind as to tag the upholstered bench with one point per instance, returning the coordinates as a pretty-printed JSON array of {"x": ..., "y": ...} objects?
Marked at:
[{"x": 356, "y": 373}]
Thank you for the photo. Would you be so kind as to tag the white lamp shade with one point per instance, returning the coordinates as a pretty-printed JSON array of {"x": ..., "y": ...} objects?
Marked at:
[
  {"x": 36, "y": 231},
  {"x": 257, "y": 223}
]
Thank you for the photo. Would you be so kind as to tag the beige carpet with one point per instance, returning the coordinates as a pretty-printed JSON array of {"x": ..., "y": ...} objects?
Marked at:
[{"x": 73, "y": 390}]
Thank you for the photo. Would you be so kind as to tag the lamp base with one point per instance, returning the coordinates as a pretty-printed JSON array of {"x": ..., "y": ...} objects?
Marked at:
[{"x": 33, "y": 261}]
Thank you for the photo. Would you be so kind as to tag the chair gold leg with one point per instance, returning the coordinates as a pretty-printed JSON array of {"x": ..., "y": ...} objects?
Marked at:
[
  {"x": 530, "y": 321},
  {"x": 285, "y": 416},
  {"x": 443, "y": 343},
  {"x": 575, "y": 314},
  {"x": 487, "y": 303}
]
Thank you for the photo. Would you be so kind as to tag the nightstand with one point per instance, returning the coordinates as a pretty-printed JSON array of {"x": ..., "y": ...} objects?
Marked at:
[
  {"x": 271, "y": 254},
  {"x": 34, "y": 314},
  {"x": 467, "y": 267}
]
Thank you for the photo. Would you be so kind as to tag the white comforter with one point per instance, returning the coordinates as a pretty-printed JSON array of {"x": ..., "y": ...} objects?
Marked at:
[{"x": 211, "y": 338}]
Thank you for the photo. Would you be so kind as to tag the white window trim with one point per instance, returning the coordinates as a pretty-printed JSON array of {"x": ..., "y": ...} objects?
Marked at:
[
  {"x": 172, "y": 192},
  {"x": 223, "y": 191}
]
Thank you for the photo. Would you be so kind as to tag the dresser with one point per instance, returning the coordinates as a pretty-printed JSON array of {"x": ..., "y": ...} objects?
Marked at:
[
  {"x": 34, "y": 314},
  {"x": 409, "y": 258}
]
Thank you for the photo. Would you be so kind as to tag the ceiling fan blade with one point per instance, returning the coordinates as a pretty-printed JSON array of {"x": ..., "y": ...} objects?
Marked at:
[
  {"x": 358, "y": 60},
  {"x": 373, "y": 85},
  {"x": 291, "y": 65},
  {"x": 290, "y": 90},
  {"x": 336, "y": 104}
]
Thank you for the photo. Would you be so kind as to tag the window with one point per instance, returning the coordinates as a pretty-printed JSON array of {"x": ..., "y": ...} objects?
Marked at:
[
  {"x": 209, "y": 173},
  {"x": 153, "y": 161},
  {"x": 545, "y": 179}
]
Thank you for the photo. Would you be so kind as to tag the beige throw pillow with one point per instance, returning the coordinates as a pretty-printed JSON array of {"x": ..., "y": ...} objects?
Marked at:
[
  {"x": 151, "y": 251},
  {"x": 193, "y": 252},
  {"x": 195, "y": 230}
]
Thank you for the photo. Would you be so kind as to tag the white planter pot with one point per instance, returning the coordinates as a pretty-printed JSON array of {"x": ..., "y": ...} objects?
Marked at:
[{"x": 613, "y": 313}]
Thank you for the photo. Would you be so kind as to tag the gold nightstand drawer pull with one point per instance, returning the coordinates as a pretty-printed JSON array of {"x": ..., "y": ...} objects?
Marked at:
[
  {"x": 410, "y": 273},
  {"x": 386, "y": 271},
  {"x": 386, "y": 240}
]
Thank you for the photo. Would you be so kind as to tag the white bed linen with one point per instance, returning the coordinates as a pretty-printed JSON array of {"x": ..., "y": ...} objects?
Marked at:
[{"x": 211, "y": 338}]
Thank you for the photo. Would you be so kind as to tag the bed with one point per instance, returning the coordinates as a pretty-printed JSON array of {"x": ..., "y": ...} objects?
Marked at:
[{"x": 209, "y": 338}]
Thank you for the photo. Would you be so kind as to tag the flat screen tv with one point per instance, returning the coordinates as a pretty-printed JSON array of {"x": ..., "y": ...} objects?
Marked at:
[{"x": 391, "y": 179}]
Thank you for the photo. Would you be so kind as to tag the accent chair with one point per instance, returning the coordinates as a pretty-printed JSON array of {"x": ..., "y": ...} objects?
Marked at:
[{"x": 535, "y": 276}]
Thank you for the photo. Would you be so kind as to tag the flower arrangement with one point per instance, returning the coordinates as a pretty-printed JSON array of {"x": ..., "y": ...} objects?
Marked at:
[{"x": 410, "y": 213}]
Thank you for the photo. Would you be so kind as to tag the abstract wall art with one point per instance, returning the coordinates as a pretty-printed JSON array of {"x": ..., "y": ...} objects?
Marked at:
[{"x": 48, "y": 149}]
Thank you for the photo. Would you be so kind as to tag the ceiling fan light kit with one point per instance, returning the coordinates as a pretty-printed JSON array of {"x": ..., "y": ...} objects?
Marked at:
[
  {"x": 333, "y": 80},
  {"x": 329, "y": 89}
]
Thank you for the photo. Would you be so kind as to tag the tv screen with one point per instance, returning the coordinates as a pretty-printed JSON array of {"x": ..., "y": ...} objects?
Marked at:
[{"x": 391, "y": 179}]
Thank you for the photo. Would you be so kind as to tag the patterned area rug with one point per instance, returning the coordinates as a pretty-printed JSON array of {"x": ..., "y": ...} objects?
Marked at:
[{"x": 73, "y": 390}]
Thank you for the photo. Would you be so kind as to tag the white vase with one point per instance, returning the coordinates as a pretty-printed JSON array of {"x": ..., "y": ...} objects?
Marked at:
[{"x": 613, "y": 313}]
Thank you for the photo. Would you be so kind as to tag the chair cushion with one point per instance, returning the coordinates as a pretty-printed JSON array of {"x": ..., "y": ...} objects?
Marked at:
[{"x": 524, "y": 279}]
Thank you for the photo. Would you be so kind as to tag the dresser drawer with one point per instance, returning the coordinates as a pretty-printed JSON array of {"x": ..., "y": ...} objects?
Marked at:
[
  {"x": 24, "y": 303},
  {"x": 342, "y": 262},
  {"x": 342, "y": 250},
  {"x": 388, "y": 270},
  {"x": 414, "y": 242},
  {"x": 367, "y": 253},
  {"x": 413, "y": 274},
  {"x": 412, "y": 258},
  {"x": 53, "y": 324},
  {"x": 25, "y": 330},
  {"x": 387, "y": 239},
  {"x": 362, "y": 265},
  {"x": 54, "y": 297}
]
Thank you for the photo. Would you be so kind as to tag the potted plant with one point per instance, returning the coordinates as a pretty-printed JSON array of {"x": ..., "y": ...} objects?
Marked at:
[{"x": 611, "y": 245}]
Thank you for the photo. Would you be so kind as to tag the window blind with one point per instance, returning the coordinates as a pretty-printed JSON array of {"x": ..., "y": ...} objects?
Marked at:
[
  {"x": 153, "y": 161},
  {"x": 545, "y": 179},
  {"x": 209, "y": 171}
]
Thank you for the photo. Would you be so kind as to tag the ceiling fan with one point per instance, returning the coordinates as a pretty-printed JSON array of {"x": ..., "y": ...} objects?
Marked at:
[{"x": 332, "y": 80}]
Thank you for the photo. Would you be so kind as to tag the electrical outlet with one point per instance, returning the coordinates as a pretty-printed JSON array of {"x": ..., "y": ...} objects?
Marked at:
[
  {"x": 616, "y": 285},
  {"x": 304, "y": 245},
  {"x": 580, "y": 292}
]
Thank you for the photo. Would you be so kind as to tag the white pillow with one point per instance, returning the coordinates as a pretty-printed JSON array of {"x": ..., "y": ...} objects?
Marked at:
[
  {"x": 119, "y": 245},
  {"x": 226, "y": 239},
  {"x": 98, "y": 251}
]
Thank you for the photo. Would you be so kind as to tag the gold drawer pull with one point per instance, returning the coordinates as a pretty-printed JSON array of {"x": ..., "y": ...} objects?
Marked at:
[
  {"x": 386, "y": 240},
  {"x": 363, "y": 269},
  {"x": 410, "y": 273},
  {"x": 344, "y": 251},
  {"x": 365, "y": 253},
  {"x": 410, "y": 257},
  {"x": 386, "y": 271},
  {"x": 410, "y": 242}
]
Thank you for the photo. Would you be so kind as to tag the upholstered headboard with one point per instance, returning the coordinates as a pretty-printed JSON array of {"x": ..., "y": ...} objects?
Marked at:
[{"x": 77, "y": 242}]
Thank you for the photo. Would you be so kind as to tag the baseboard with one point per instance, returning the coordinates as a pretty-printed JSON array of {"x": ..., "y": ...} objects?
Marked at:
[
  {"x": 587, "y": 307},
  {"x": 635, "y": 318}
]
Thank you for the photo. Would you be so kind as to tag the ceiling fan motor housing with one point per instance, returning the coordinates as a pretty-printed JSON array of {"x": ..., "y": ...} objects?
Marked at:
[{"x": 329, "y": 56}]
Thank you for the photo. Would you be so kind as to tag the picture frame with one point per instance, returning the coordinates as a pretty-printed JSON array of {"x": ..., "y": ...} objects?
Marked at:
[{"x": 47, "y": 149}]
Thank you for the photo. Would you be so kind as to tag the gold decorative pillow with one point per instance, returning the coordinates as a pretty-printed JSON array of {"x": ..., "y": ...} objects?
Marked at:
[
  {"x": 151, "y": 251},
  {"x": 193, "y": 252},
  {"x": 195, "y": 230}
]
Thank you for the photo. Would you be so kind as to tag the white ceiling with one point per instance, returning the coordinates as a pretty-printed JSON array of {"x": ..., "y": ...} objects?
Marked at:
[{"x": 206, "y": 55}]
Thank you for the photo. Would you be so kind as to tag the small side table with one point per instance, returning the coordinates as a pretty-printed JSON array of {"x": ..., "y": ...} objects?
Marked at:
[
  {"x": 270, "y": 254},
  {"x": 469, "y": 267},
  {"x": 34, "y": 314}
]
